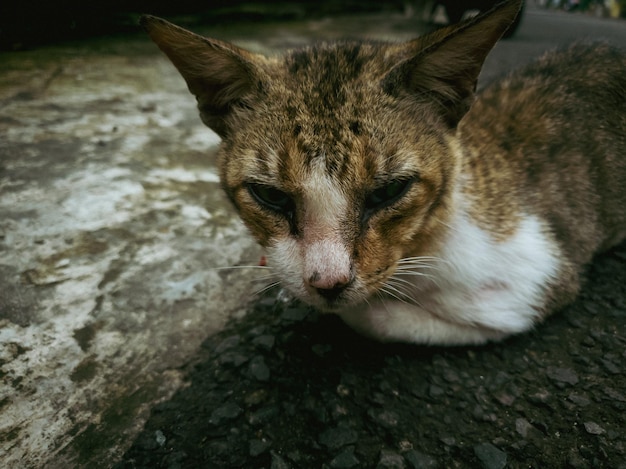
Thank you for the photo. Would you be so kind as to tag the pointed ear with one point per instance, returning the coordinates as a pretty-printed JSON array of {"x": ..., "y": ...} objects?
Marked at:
[
  {"x": 445, "y": 66},
  {"x": 220, "y": 75}
]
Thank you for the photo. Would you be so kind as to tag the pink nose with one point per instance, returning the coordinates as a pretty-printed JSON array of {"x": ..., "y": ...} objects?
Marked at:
[
  {"x": 328, "y": 282},
  {"x": 327, "y": 267},
  {"x": 329, "y": 287}
]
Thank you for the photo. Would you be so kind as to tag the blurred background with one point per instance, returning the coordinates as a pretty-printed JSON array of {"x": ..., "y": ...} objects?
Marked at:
[{"x": 27, "y": 24}]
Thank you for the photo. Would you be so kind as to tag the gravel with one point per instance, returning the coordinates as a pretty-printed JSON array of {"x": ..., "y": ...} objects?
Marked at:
[{"x": 287, "y": 388}]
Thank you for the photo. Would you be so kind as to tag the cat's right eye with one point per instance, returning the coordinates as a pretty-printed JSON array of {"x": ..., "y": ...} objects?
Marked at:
[{"x": 271, "y": 198}]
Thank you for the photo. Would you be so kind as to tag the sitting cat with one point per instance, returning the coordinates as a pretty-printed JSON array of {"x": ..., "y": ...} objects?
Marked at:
[{"x": 387, "y": 192}]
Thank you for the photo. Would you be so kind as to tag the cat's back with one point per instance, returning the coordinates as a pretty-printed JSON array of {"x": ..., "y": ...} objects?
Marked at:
[
  {"x": 574, "y": 88},
  {"x": 550, "y": 139}
]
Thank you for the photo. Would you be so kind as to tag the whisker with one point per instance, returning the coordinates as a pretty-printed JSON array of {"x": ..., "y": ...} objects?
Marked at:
[
  {"x": 241, "y": 267},
  {"x": 420, "y": 258},
  {"x": 402, "y": 290},
  {"x": 393, "y": 278},
  {"x": 423, "y": 261},
  {"x": 265, "y": 288},
  {"x": 412, "y": 272},
  {"x": 396, "y": 292},
  {"x": 397, "y": 297}
]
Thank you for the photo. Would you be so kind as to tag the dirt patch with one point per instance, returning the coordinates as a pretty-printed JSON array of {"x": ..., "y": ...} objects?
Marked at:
[{"x": 285, "y": 387}]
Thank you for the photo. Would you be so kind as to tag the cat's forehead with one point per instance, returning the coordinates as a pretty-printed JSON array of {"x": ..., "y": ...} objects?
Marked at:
[
  {"x": 346, "y": 60},
  {"x": 327, "y": 109},
  {"x": 330, "y": 75}
]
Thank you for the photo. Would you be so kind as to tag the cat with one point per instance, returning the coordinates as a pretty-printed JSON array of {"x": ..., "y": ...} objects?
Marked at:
[{"x": 385, "y": 190}]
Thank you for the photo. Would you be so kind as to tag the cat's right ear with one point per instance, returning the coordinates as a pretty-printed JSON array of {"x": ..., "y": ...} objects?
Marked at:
[{"x": 220, "y": 75}]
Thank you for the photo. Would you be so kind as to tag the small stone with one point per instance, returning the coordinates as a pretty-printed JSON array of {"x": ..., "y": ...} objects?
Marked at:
[
  {"x": 448, "y": 440},
  {"x": 258, "y": 447},
  {"x": 258, "y": 369},
  {"x": 339, "y": 437},
  {"x": 540, "y": 398},
  {"x": 505, "y": 399},
  {"x": 579, "y": 400},
  {"x": 562, "y": 376},
  {"x": 614, "y": 395},
  {"x": 228, "y": 411},
  {"x": 227, "y": 343},
  {"x": 527, "y": 430},
  {"x": 390, "y": 460},
  {"x": 435, "y": 391},
  {"x": 263, "y": 415},
  {"x": 593, "y": 428},
  {"x": 160, "y": 437},
  {"x": 232, "y": 358},
  {"x": 295, "y": 314},
  {"x": 278, "y": 462},
  {"x": 490, "y": 457},
  {"x": 265, "y": 342},
  {"x": 451, "y": 376},
  {"x": 385, "y": 418},
  {"x": 405, "y": 445},
  {"x": 418, "y": 460},
  {"x": 522, "y": 426},
  {"x": 345, "y": 460},
  {"x": 591, "y": 308},
  {"x": 610, "y": 366}
]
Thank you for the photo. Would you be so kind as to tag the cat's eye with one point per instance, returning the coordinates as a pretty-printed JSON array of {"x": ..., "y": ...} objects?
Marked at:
[
  {"x": 271, "y": 198},
  {"x": 387, "y": 194}
]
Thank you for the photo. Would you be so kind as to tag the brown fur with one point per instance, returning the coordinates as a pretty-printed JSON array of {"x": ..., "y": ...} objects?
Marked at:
[{"x": 548, "y": 141}]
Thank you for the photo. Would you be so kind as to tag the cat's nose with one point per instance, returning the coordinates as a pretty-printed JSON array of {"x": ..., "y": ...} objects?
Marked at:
[
  {"x": 329, "y": 288},
  {"x": 327, "y": 268},
  {"x": 331, "y": 294}
]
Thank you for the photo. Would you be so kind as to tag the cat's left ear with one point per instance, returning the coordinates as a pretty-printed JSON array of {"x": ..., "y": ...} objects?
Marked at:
[
  {"x": 219, "y": 74},
  {"x": 443, "y": 67}
]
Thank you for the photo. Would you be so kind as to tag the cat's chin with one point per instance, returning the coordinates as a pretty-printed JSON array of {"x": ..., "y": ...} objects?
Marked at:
[{"x": 333, "y": 307}]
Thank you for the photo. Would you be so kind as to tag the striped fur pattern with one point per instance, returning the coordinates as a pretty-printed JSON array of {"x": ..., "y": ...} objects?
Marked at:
[{"x": 386, "y": 191}]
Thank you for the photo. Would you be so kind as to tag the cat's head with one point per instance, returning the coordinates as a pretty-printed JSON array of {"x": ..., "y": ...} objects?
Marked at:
[{"x": 338, "y": 157}]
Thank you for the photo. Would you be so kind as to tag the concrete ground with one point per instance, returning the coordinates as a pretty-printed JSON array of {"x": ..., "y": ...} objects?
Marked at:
[
  {"x": 113, "y": 236},
  {"x": 114, "y": 232}
]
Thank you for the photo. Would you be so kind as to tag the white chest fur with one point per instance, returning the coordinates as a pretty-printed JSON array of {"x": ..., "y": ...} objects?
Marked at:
[{"x": 477, "y": 290}]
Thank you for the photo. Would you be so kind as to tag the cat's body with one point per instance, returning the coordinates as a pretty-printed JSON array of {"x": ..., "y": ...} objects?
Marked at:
[{"x": 384, "y": 193}]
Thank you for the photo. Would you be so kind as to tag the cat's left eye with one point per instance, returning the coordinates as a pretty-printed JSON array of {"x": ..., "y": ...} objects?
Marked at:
[
  {"x": 271, "y": 198},
  {"x": 387, "y": 194}
]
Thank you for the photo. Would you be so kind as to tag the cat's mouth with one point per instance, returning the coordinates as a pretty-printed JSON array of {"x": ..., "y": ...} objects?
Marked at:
[{"x": 333, "y": 300}]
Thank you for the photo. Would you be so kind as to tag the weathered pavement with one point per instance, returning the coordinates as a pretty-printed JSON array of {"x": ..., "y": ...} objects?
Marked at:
[{"x": 113, "y": 230}]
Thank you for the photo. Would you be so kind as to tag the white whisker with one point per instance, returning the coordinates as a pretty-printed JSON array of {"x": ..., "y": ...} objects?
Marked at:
[
  {"x": 396, "y": 292},
  {"x": 241, "y": 267},
  {"x": 265, "y": 288}
]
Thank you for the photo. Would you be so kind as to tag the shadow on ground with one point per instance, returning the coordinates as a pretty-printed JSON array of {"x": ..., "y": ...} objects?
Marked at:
[{"x": 287, "y": 388}]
